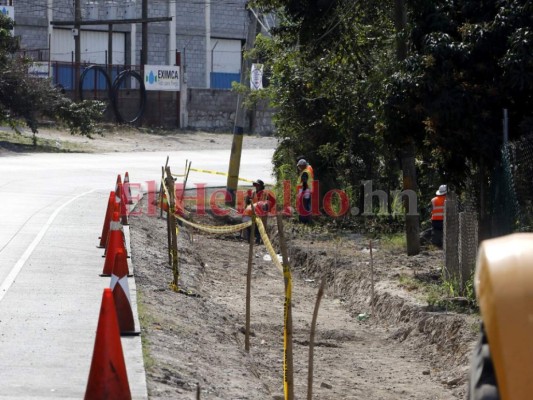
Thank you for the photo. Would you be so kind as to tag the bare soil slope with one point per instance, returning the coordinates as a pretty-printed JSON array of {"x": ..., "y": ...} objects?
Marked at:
[{"x": 402, "y": 352}]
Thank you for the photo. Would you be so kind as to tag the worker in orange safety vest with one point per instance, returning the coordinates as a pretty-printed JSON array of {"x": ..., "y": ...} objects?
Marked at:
[
  {"x": 304, "y": 190},
  {"x": 262, "y": 201},
  {"x": 437, "y": 215},
  {"x": 309, "y": 167}
]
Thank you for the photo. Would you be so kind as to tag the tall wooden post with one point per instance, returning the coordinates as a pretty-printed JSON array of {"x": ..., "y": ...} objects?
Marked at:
[{"x": 238, "y": 131}]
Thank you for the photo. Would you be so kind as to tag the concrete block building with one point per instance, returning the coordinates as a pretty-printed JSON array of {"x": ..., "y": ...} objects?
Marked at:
[{"x": 208, "y": 34}]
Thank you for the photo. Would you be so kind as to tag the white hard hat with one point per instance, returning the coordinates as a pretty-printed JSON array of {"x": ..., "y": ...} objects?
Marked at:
[
  {"x": 301, "y": 163},
  {"x": 443, "y": 189}
]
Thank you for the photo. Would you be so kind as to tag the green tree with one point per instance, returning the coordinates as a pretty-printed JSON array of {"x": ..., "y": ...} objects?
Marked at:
[
  {"x": 26, "y": 98},
  {"x": 326, "y": 61},
  {"x": 467, "y": 61}
]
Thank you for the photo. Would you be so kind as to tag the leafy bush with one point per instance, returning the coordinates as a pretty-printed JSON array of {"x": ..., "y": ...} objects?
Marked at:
[{"x": 26, "y": 98}]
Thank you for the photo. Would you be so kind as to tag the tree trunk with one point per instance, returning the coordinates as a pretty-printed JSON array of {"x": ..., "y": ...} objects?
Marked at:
[
  {"x": 412, "y": 221},
  {"x": 412, "y": 226}
]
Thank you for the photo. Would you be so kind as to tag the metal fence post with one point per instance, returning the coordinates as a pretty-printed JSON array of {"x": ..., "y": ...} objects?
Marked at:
[
  {"x": 451, "y": 238},
  {"x": 468, "y": 238}
]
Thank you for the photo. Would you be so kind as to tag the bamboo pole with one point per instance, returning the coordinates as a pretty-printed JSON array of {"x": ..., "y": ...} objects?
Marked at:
[{"x": 312, "y": 340}]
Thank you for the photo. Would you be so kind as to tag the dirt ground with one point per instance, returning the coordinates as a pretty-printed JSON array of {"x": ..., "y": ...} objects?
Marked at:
[
  {"x": 401, "y": 352},
  {"x": 194, "y": 345},
  {"x": 118, "y": 139}
]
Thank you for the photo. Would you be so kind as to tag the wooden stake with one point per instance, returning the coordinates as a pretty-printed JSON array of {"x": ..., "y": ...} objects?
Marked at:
[
  {"x": 171, "y": 217},
  {"x": 249, "y": 285},
  {"x": 161, "y": 191},
  {"x": 187, "y": 170},
  {"x": 312, "y": 340},
  {"x": 372, "y": 279}
]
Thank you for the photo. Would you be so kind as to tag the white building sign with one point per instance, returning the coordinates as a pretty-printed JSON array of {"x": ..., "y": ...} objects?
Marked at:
[
  {"x": 162, "y": 77},
  {"x": 256, "y": 77},
  {"x": 39, "y": 69}
]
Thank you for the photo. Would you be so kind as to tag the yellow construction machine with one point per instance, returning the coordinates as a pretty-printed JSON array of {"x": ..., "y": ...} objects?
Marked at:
[{"x": 502, "y": 364}]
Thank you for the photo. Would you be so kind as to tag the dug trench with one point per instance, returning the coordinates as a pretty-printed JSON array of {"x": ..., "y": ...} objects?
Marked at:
[{"x": 194, "y": 344}]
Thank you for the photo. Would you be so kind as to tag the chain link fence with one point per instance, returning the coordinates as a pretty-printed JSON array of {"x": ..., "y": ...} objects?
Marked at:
[
  {"x": 516, "y": 193},
  {"x": 509, "y": 205},
  {"x": 460, "y": 241}
]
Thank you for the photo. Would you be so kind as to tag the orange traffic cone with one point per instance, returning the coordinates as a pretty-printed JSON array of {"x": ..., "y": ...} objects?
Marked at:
[
  {"x": 115, "y": 242},
  {"x": 107, "y": 219},
  {"x": 119, "y": 180},
  {"x": 127, "y": 188},
  {"x": 121, "y": 294},
  {"x": 115, "y": 224},
  {"x": 121, "y": 199},
  {"x": 108, "y": 378}
]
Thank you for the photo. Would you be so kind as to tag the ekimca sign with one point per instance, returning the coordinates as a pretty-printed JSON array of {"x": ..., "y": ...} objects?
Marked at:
[{"x": 162, "y": 77}]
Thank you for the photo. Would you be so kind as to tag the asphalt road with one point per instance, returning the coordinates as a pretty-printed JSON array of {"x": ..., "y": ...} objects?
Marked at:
[{"x": 51, "y": 215}]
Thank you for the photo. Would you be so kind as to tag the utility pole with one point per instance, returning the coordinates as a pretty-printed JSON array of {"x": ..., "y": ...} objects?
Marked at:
[
  {"x": 49, "y": 17},
  {"x": 254, "y": 28},
  {"x": 77, "y": 45},
  {"x": 208, "y": 59},
  {"x": 144, "y": 34},
  {"x": 109, "y": 49},
  {"x": 172, "y": 33}
]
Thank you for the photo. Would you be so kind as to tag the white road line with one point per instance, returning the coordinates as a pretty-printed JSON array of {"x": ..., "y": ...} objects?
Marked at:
[{"x": 6, "y": 284}]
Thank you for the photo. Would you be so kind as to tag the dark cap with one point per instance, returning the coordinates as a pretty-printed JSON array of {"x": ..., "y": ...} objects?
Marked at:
[{"x": 259, "y": 182}]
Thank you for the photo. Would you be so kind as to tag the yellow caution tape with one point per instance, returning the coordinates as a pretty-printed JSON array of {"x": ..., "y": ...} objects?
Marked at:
[
  {"x": 208, "y": 171},
  {"x": 288, "y": 295},
  {"x": 268, "y": 245},
  {"x": 216, "y": 229}
]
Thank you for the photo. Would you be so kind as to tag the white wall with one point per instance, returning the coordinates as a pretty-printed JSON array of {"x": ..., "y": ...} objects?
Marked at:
[
  {"x": 226, "y": 55},
  {"x": 93, "y": 46}
]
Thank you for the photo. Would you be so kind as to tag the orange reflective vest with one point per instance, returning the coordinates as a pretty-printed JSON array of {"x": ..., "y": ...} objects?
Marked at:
[
  {"x": 437, "y": 208},
  {"x": 310, "y": 178},
  {"x": 263, "y": 201}
]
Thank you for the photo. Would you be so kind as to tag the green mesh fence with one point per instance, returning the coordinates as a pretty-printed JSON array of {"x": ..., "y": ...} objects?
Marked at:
[
  {"x": 513, "y": 192},
  {"x": 520, "y": 166}
]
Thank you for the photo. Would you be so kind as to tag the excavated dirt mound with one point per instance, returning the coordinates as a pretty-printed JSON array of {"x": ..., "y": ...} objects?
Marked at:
[{"x": 195, "y": 343}]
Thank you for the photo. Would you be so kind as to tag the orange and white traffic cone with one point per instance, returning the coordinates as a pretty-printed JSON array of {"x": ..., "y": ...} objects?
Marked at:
[
  {"x": 115, "y": 242},
  {"x": 119, "y": 180},
  {"x": 108, "y": 378},
  {"x": 127, "y": 188},
  {"x": 121, "y": 294},
  {"x": 121, "y": 199},
  {"x": 115, "y": 224},
  {"x": 107, "y": 219}
]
